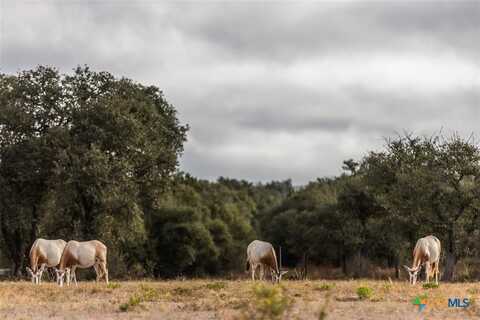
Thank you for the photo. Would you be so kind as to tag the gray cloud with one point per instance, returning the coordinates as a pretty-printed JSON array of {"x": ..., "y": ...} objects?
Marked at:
[
  {"x": 271, "y": 90},
  {"x": 298, "y": 30}
]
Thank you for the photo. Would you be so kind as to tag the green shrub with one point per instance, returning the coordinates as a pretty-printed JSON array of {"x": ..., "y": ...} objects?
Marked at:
[
  {"x": 325, "y": 287},
  {"x": 473, "y": 290},
  {"x": 364, "y": 293},
  {"x": 183, "y": 291},
  {"x": 144, "y": 294},
  {"x": 148, "y": 293},
  {"x": 134, "y": 301},
  {"x": 113, "y": 285},
  {"x": 269, "y": 302},
  {"x": 216, "y": 286},
  {"x": 430, "y": 285},
  {"x": 124, "y": 307}
]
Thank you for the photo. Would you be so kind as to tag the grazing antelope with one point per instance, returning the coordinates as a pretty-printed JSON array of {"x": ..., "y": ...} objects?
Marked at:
[
  {"x": 82, "y": 255},
  {"x": 426, "y": 252},
  {"x": 44, "y": 253},
  {"x": 262, "y": 254}
]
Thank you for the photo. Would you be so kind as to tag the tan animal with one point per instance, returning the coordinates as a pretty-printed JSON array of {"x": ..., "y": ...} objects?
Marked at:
[
  {"x": 82, "y": 255},
  {"x": 44, "y": 253},
  {"x": 426, "y": 252},
  {"x": 262, "y": 254}
]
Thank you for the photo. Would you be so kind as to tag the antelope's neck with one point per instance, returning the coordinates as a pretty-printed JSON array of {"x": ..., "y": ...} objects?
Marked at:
[{"x": 417, "y": 260}]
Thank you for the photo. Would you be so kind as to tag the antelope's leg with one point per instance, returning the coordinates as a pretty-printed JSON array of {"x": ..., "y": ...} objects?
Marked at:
[
  {"x": 105, "y": 271},
  {"x": 68, "y": 276},
  {"x": 43, "y": 267},
  {"x": 73, "y": 275},
  {"x": 427, "y": 272},
  {"x": 97, "y": 272}
]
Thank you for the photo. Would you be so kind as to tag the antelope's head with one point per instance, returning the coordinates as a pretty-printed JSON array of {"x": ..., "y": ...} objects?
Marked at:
[
  {"x": 413, "y": 273},
  {"x": 277, "y": 275},
  {"x": 60, "y": 276},
  {"x": 37, "y": 275}
]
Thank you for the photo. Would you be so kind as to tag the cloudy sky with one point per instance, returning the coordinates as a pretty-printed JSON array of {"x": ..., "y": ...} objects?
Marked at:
[{"x": 272, "y": 89}]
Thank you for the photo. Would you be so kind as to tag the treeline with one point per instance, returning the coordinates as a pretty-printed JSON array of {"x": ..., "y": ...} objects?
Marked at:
[
  {"x": 89, "y": 156},
  {"x": 374, "y": 213}
]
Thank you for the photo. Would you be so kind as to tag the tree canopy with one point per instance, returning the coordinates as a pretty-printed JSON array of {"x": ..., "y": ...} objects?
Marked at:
[{"x": 81, "y": 156}]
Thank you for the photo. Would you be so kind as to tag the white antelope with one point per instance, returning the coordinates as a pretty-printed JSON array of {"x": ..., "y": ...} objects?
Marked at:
[
  {"x": 426, "y": 252},
  {"x": 262, "y": 254},
  {"x": 82, "y": 255},
  {"x": 44, "y": 253}
]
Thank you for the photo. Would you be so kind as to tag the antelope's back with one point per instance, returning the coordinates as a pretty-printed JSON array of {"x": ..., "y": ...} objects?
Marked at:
[
  {"x": 427, "y": 249},
  {"x": 259, "y": 251},
  {"x": 434, "y": 247}
]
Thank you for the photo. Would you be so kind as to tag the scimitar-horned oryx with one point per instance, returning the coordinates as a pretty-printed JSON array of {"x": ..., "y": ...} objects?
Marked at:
[
  {"x": 82, "y": 255},
  {"x": 262, "y": 254},
  {"x": 426, "y": 252},
  {"x": 44, "y": 253}
]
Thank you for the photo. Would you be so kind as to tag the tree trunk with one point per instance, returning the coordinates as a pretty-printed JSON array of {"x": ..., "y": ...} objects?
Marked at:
[
  {"x": 305, "y": 266},
  {"x": 397, "y": 267},
  {"x": 344, "y": 264},
  {"x": 451, "y": 258},
  {"x": 18, "y": 253},
  {"x": 88, "y": 228},
  {"x": 18, "y": 264},
  {"x": 450, "y": 262},
  {"x": 13, "y": 244}
]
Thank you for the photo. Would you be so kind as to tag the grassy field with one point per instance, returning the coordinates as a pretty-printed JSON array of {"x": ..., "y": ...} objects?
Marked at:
[{"x": 216, "y": 299}]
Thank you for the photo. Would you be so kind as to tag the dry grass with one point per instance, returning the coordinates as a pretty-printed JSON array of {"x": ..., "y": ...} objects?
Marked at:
[{"x": 214, "y": 299}]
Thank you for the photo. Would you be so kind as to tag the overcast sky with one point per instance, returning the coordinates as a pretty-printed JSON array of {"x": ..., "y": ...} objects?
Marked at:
[{"x": 271, "y": 90}]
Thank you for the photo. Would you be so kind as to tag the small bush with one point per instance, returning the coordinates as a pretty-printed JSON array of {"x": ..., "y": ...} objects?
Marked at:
[
  {"x": 134, "y": 301},
  {"x": 364, "y": 293},
  {"x": 269, "y": 302},
  {"x": 148, "y": 293},
  {"x": 124, "y": 307},
  {"x": 113, "y": 285},
  {"x": 216, "y": 286},
  {"x": 144, "y": 294},
  {"x": 430, "y": 285},
  {"x": 183, "y": 291},
  {"x": 473, "y": 291},
  {"x": 325, "y": 287}
]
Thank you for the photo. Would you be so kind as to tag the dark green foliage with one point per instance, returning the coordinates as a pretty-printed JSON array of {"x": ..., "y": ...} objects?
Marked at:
[
  {"x": 375, "y": 214},
  {"x": 82, "y": 156},
  {"x": 429, "y": 186},
  {"x": 181, "y": 242},
  {"x": 201, "y": 228}
]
